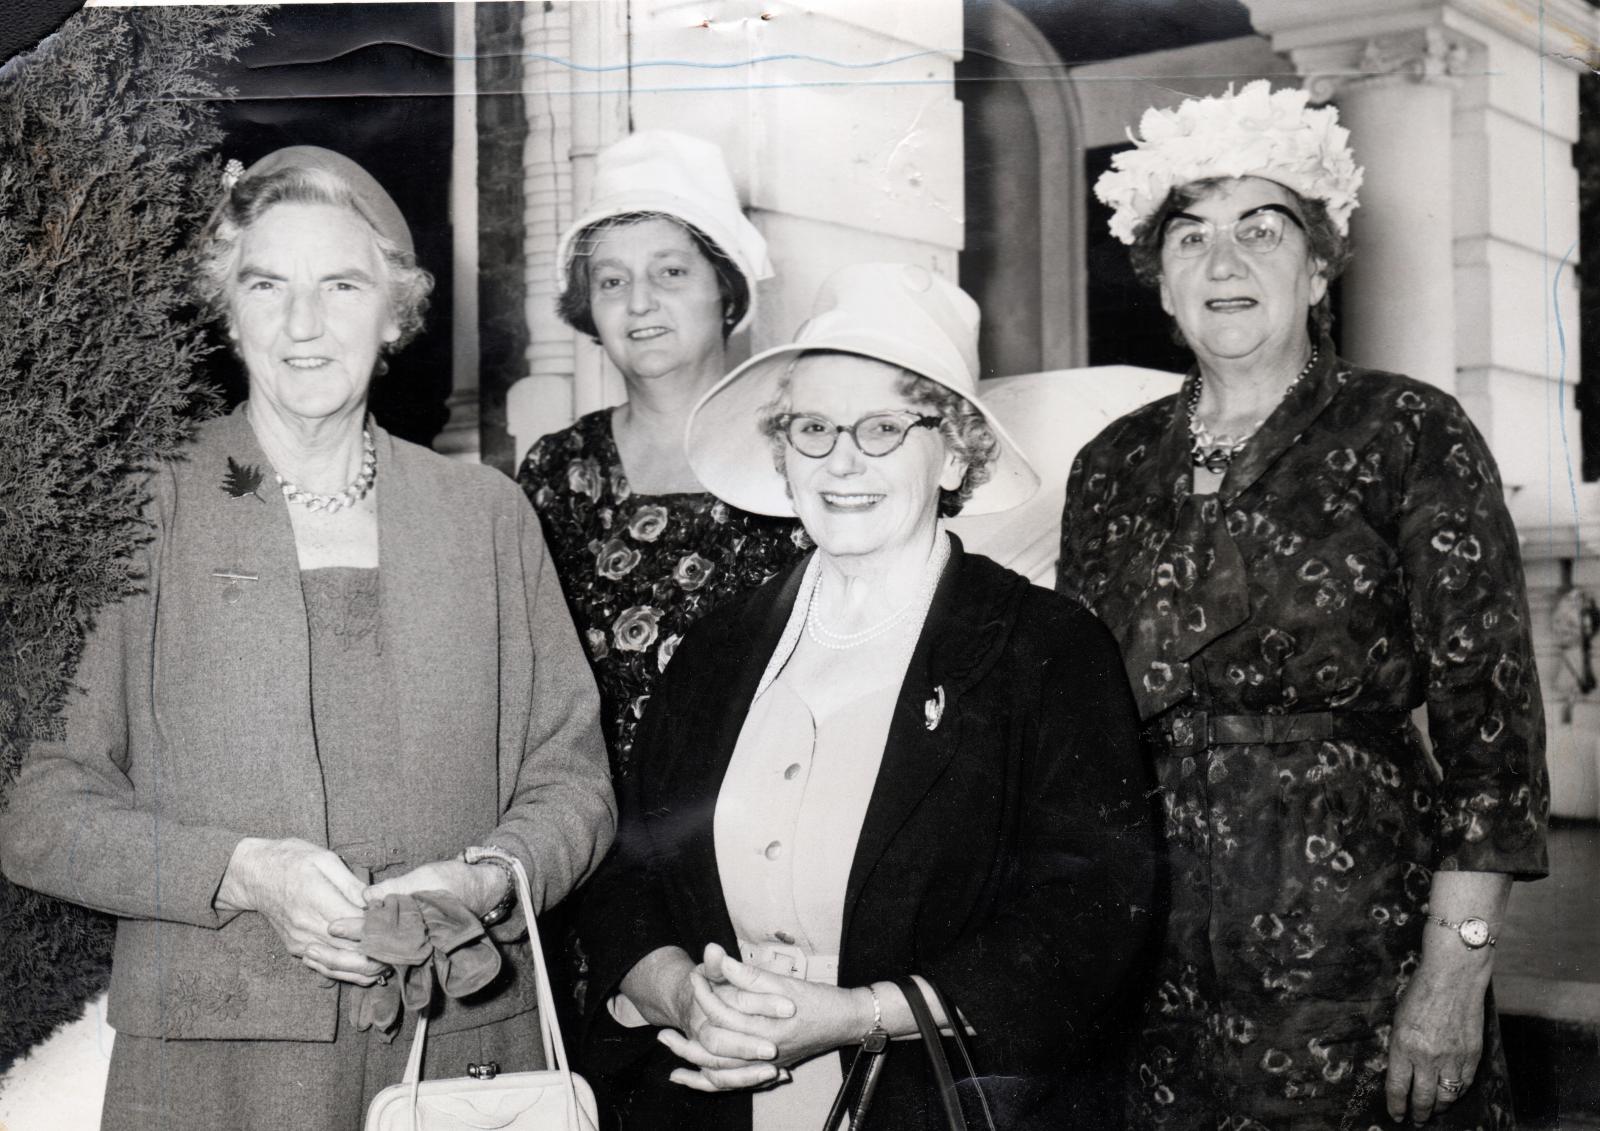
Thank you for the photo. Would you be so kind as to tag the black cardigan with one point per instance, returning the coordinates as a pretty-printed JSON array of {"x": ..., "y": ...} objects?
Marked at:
[{"x": 1008, "y": 854}]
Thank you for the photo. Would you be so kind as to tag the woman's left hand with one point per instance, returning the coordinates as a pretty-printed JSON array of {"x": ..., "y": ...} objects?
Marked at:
[
  {"x": 479, "y": 886},
  {"x": 1437, "y": 1036},
  {"x": 738, "y": 996}
]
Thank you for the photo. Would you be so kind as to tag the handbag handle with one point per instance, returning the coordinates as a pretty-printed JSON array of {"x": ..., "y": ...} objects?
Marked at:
[
  {"x": 555, "y": 1050},
  {"x": 945, "y": 1082},
  {"x": 873, "y": 1051}
]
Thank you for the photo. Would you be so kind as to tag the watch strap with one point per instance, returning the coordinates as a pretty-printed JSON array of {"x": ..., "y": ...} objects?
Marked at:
[
  {"x": 502, "y": 910},
  {"x": 1490, "y": 940}
]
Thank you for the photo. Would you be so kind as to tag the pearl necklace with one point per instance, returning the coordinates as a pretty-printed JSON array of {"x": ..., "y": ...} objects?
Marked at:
[
  {"x": 339, "y": 500},
  {"x": 1214, "y": 452},
  {"x": 843, "y": 641}
]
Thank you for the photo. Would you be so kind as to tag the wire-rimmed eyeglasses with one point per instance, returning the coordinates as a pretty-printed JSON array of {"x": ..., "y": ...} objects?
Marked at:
[
  {"x": 1258, "y": 232},
  {"x": 876, "y": 434}
]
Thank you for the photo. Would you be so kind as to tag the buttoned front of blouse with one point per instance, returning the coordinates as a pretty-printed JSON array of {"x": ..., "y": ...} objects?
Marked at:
[{"x": 1357, "y": 557}]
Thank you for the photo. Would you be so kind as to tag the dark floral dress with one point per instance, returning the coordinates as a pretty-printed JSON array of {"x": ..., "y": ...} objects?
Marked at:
[
  {"x": 638, "y": 570},
  {"x": 1358, "y": 557}
]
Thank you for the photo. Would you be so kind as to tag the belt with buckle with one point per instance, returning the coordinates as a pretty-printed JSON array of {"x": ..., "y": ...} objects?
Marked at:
[{"x": 1194, "y": 731}]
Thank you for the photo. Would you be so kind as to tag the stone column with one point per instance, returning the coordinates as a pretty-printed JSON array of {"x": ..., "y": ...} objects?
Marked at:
[
  {"x": 460, "y": 435},
  {"x": 1399, "y": 293},
  {"x": 575, "y": 85}
]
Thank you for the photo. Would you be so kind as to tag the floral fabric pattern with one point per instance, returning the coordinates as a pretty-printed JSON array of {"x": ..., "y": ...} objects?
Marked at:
[
  {"x": 1357, "y": 557},
  {"x": 638, "y": 570}
]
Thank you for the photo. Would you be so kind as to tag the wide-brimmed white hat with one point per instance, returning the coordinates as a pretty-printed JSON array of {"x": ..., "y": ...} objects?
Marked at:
[
  {"x": 681, "y": 176},
  {"x": 897, "y": 313}
]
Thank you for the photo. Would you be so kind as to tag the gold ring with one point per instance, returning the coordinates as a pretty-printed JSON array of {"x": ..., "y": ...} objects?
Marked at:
[{"x": 1449, "y": 1085}]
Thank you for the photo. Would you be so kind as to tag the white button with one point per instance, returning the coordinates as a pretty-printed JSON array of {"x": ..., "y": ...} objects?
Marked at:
[
  {"x": 774, "y": 850},
  {"x": 790, "y": 773}
]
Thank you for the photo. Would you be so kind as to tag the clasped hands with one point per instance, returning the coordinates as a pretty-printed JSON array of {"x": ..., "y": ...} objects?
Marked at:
[
  {"x": 318, "y": 906},
  {"x": 743, "y": 1027}
]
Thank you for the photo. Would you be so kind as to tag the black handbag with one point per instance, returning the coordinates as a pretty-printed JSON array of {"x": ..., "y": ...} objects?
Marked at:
[{"x": 867, "y": 1066}]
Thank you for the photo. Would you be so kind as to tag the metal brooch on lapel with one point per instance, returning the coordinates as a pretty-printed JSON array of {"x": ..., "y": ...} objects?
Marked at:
[{"x": 933, "y": 709}]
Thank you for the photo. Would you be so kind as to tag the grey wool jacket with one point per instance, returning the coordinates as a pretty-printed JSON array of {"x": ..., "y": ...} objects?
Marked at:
[{"x": 191, "y": 727}]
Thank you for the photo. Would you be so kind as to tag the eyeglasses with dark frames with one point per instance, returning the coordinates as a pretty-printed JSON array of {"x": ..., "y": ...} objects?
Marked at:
[
  {"x": 876, "y": 434},
  {"x": 1258, "y": 232}
]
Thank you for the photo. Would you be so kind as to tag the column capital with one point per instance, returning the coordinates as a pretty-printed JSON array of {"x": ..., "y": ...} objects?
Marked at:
[
  {"x": 1566, "y": 30},
  {"x": 1425, "y": 55}
]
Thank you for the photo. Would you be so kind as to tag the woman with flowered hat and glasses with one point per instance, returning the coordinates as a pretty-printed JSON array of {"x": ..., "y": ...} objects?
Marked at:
[
  {"x": 661, "y": 269},
  {"x": 347, "y": 662},
  {"x": 1295, "y": 552},
  {"x": 896, "y": 760}
]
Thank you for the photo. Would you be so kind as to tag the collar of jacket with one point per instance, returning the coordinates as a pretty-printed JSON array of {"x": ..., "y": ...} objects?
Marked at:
[
  {"x": 973, "y": 612},
  {"x": 1282, "y": 429},
  {"x": 966, "y": 626}
]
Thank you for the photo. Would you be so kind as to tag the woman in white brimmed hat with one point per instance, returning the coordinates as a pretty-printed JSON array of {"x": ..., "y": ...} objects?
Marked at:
[
  {"x": 660, "y": 269},
  {"x": 1296, "y": 553},
  {"x": 898, "y": 760}
]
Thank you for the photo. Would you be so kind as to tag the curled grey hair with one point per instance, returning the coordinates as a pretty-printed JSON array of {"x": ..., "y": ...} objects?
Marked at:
[
  {"x": 1328, "y": 247},
  {"x": 966, "y": 432},
  {"x": 244, "y": 204}
]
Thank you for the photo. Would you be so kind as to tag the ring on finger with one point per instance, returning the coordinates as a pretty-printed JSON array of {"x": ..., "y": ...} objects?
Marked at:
[{"x": 1447, "y": 1084}]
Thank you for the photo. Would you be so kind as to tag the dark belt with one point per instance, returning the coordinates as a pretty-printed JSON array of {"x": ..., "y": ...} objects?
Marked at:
[{"x": 1196, "y": 730}]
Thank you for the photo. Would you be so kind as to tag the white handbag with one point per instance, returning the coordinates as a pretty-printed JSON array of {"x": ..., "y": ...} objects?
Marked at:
[{"x": 552, "y": 1100}]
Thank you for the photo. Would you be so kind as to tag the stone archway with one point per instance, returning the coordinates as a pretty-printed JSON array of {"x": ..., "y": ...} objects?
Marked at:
[{"x": 1024, "y": 258}]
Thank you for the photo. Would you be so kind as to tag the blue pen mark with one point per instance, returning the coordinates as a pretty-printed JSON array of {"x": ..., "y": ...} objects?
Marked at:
[
  {"x": 1561, "y": 392},
  {"x": 756, "y": 60}
]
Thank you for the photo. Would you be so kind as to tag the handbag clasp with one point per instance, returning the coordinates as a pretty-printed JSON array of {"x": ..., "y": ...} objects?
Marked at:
[{"x": 486, "y": 1071}]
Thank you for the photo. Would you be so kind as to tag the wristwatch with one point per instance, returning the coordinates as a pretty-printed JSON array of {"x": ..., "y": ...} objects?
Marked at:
[
  {"x": 1474, "y": 932},
  {"x": 502, "y": 910}
]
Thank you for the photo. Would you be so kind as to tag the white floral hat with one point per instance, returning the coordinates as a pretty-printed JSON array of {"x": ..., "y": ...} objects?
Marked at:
[{"x": 1256, "y": 132}]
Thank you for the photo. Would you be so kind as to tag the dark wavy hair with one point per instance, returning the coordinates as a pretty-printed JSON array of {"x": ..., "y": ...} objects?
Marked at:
[
  {"x": 1328, "y": 247},
  {"x": 965, "y": 430},
  {"x": 573, "y": 305},
  {"x": 244, "y": 204}
]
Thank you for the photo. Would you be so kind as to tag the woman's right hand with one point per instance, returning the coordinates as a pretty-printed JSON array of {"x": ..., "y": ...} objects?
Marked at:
[
  {"x": 304, "y": 892},
  {"x": 671, "y": 992}
]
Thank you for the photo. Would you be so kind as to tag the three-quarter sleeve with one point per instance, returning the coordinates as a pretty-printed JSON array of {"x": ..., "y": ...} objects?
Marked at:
[
  {"x": 1470, "y": 624},
  {"x": 562, "y": 812}
]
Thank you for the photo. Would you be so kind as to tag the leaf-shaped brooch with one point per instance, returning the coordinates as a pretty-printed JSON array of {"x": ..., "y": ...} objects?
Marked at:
[{"x": 242, "y": 479}]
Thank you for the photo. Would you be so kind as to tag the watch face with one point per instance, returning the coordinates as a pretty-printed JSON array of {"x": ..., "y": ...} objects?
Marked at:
[{"x": 1474, "y": 932}]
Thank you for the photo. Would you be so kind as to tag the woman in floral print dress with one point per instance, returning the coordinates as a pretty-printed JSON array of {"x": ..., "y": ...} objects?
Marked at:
[
  {"x": 661, "y": 269},
  {"x": 1294, "y": 553}
]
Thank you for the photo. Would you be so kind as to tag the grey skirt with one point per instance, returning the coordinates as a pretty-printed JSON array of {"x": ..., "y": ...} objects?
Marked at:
[{"x": 174, "y": 1085}]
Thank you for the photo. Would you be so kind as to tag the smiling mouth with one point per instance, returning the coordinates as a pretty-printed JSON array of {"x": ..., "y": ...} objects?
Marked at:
[
  {"x": 1228, "y": 305},
  {"x": 838, "y": 501},
  {"x": 646, "y": 334},
  {"x": 307, "y": 362}
]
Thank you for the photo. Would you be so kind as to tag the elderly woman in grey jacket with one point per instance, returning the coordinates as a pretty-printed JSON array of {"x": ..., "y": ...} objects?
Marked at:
[{"x": 348, "y": 661}]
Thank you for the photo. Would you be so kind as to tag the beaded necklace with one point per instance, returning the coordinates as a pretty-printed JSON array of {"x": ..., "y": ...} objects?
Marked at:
[
  {"x": 1215, "y": 453},
  {"x": 339, "y": 500},
  {"x": 843, "y": 641}
]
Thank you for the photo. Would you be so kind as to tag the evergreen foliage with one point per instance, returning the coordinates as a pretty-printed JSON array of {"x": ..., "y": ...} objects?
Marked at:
[{"x": 107, "y": 169}]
